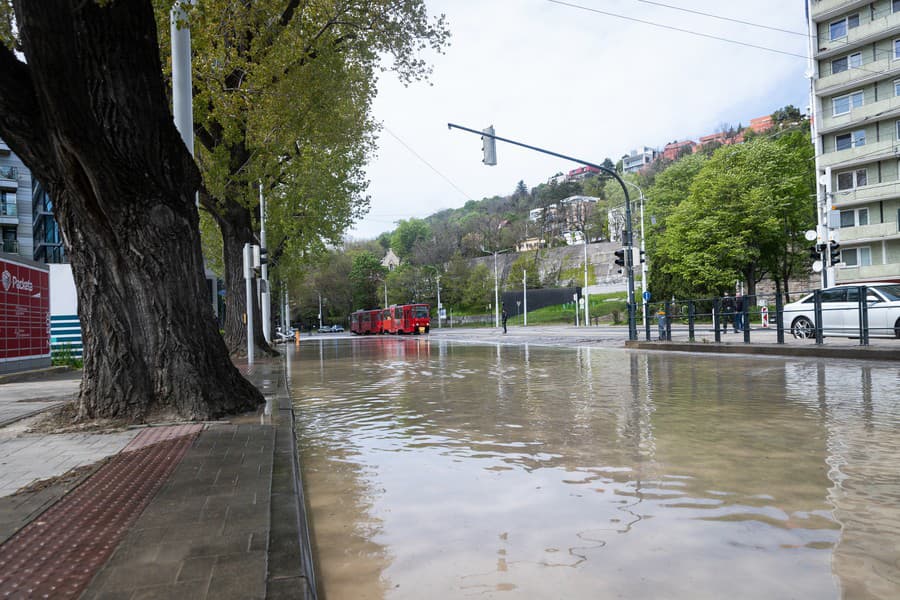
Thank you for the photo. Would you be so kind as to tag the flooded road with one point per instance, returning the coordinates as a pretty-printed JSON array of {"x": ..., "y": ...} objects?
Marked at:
[{"x": 443, "y": 470}]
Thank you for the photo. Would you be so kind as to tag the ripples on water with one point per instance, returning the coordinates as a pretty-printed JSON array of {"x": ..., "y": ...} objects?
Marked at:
[{"x": 587, "y": 473}]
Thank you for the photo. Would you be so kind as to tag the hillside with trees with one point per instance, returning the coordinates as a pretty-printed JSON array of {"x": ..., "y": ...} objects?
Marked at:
[{"x": 725, "y": 213}]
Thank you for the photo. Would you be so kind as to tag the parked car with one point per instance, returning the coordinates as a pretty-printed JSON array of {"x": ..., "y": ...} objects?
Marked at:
[
  {"x": 840, "y": 311},
  {"x": 331, "y": 329}
]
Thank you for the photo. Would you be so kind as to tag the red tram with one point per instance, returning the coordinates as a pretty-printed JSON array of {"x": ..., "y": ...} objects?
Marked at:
[
  {"x": 396, "y": 319},
  {"x": 364, "y": 322}
]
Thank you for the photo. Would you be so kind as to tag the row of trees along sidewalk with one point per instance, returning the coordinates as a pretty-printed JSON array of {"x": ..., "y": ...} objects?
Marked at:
[{"x": 279, "y": 92}]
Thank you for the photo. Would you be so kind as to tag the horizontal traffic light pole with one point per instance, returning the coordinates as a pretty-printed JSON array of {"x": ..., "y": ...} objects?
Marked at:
[{"x": 629, "y": 262}]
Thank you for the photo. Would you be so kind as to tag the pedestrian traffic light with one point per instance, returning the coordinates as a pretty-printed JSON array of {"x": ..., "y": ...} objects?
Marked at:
[
  {"x": 834, "y": 251},
  {"x": 643, "y": 257},
  {"x": 489, "y": 146}
]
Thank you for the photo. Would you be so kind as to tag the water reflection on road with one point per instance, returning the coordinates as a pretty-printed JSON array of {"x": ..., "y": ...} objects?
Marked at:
[{"x": 454, "y": 471}]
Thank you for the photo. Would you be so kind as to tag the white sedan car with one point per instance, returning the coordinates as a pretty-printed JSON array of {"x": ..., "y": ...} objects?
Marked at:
[{"x": 840, "y": 312}]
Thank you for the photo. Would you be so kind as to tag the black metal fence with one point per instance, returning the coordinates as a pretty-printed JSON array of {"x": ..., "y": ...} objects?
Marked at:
[{"x": 857, "y": 312}]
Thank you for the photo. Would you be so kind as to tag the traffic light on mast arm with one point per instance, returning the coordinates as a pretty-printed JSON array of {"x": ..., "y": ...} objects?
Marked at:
[
  {"x": 834, "y": 251},
  {"x": 489, "y": 146},
  {"x": 815, "y": 252}
]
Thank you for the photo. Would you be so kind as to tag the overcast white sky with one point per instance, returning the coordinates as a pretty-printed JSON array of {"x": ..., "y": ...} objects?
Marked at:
[{"x": 576, "y": 82}]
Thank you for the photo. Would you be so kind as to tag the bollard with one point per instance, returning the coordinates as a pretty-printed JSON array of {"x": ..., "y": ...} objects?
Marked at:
[{"x": 661, "y": 320}]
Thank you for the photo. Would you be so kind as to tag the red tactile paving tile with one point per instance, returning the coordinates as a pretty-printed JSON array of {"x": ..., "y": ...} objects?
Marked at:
[{"x": 57, "y": 555}]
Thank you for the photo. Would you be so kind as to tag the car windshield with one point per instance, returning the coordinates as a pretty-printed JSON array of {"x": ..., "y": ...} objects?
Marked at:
[
  {"x": 420, "y": 312},
  {"x": 891, "y": 292}
]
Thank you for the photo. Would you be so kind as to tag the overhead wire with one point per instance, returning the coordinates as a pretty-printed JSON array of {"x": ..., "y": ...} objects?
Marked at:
[{"x": 428, "y": 164}]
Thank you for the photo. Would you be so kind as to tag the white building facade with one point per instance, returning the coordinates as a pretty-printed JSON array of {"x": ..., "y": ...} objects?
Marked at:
[{"x": 855, "y": 68}]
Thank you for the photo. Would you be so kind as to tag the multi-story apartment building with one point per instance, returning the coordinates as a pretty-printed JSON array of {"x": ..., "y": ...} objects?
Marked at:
[
  {"x": 855, "y": 65},
  {"x": 15, "y": 205}
]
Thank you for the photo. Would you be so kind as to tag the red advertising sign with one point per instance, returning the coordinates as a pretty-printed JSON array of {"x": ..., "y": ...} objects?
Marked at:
[{"x": 24, "y": 311}]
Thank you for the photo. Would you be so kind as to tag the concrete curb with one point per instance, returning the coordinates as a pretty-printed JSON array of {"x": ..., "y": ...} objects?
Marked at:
[
  {"x": 291, "y": 571},
  {"x": 844, "y": 352}
]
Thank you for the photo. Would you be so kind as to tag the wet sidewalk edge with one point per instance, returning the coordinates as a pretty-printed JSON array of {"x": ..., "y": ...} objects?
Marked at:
[
  {"x": 845, "y": 352},
  {"x": 291, "y": 571}
]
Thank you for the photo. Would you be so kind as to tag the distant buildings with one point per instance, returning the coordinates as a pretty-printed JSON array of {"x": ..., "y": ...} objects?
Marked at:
[
  {"x": 857, "y": 125},
  {"x": 635, "y": 161}
]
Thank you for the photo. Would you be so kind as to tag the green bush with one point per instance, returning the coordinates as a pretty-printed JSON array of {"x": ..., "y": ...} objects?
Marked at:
[{"x": 63, "y": 357}]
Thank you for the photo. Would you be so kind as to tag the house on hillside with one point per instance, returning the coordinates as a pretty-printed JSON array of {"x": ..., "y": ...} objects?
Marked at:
[
  {"x": 390, "y": 260},
  {"x": 635, "y": 161},
  {"x": 673, "y": 150}
]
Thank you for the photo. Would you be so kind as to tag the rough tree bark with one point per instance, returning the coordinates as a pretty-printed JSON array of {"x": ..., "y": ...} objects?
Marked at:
[
  {"x": 89, "y": 116},
  {"x": 237, "y": 229}
]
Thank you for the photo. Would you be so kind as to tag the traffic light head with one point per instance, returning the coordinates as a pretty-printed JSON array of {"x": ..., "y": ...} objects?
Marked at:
[
  {"x": 834, "y": 251},
  {"x": 489, "y": 147},
  {"x": 620, "y": 257}
]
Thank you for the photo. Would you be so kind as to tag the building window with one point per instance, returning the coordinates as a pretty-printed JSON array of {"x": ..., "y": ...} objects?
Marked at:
[
  {"x": 897, "y": 87},
  {"x": 852, "y": 179},
  {"x": 896, "y": 49},
  {"x": 856, "y": 257},
  {"x": 854, "y": 139},
  {"x": 844, "y": 104},
  {"x": 838, "y": 29},
  {"x": 855, "y": 218},
  {"x": 895, "y": 5},
  {"x": 853, "y": 61}
]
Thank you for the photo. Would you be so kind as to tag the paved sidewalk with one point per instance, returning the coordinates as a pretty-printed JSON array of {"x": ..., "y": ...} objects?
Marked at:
[
  {"x": 209, "y": 510},
  {"x": 22, "y": 399}
]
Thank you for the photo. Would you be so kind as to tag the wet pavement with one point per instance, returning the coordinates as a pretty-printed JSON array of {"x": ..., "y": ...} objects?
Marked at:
[
  {"x": 210, "y": 510},
  {"x": 563, "y": 469}
]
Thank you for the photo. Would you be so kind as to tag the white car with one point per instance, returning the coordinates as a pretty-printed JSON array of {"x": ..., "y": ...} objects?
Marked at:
[{"x": 840, "y": 312}]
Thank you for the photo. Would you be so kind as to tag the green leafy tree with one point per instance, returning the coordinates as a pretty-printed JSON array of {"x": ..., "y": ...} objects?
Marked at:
[
  {"x": 732, "y": 225},
  {"x": 525, "y": 262},
  {"x": 407, "y": 234},
  {"x": 282, "y": 99},
  {"x": 366, "y": 276}
]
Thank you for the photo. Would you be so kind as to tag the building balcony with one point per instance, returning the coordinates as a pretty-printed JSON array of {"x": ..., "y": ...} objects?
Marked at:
[
  {"x": 869, "y": 233},
  {"x": 822, "y": 10},
  {"x": 866, "y": 194},
  {"x": 9, "y": 178},
  {"x": 884, "y": 25},
  {"x": 870, "y": 273},
  {"x": 853, "y": 79},
  {"x": 870, "y": 153},
  {"x": 883, "y": 109}
]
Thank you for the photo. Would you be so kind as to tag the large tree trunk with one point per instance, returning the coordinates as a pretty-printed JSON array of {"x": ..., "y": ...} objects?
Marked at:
[
  {"x": 237, "y": 229},
  {"x": 89, "y": 116}
]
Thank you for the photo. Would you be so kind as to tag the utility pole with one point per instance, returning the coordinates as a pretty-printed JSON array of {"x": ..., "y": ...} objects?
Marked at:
[
  {"x": 524, "y": 298},
  {"x": 585, "y": 295},
  {"x": 439, "y": 300}
]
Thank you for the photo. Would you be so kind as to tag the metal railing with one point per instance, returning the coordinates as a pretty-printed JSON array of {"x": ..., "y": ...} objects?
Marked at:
[
  {"x": 11, "y": 246},
  {"x": 764, "y": 318},
  {"x": 8, "y": 209},
  {"x": 9, "y": 173}
]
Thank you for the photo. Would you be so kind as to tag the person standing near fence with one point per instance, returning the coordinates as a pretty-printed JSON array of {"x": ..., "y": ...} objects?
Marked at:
[
  {"x": 727, "y": 312},
  {"x": 504, "y": 316},
  {"x": 738, "y": 312}
]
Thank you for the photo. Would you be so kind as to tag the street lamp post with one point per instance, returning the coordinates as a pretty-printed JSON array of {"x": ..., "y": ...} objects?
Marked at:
[
  {"x": 320, "y": 311},
  {"x": 645, "y": 282},
  {"x": 585, "y": 296},
  {"x": 496, "y": 286},
  {"x": 439, "y": 300}
]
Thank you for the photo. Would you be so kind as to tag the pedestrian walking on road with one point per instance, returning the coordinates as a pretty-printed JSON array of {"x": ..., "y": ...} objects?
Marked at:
[
  {"x": 503, "y": 317},
  {"x": 727, "y": 311},
  {"x": 738, "y": 312}
]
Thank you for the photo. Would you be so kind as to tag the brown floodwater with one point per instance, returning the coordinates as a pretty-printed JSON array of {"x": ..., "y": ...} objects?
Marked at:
[{"x": 440, "y": 470}]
